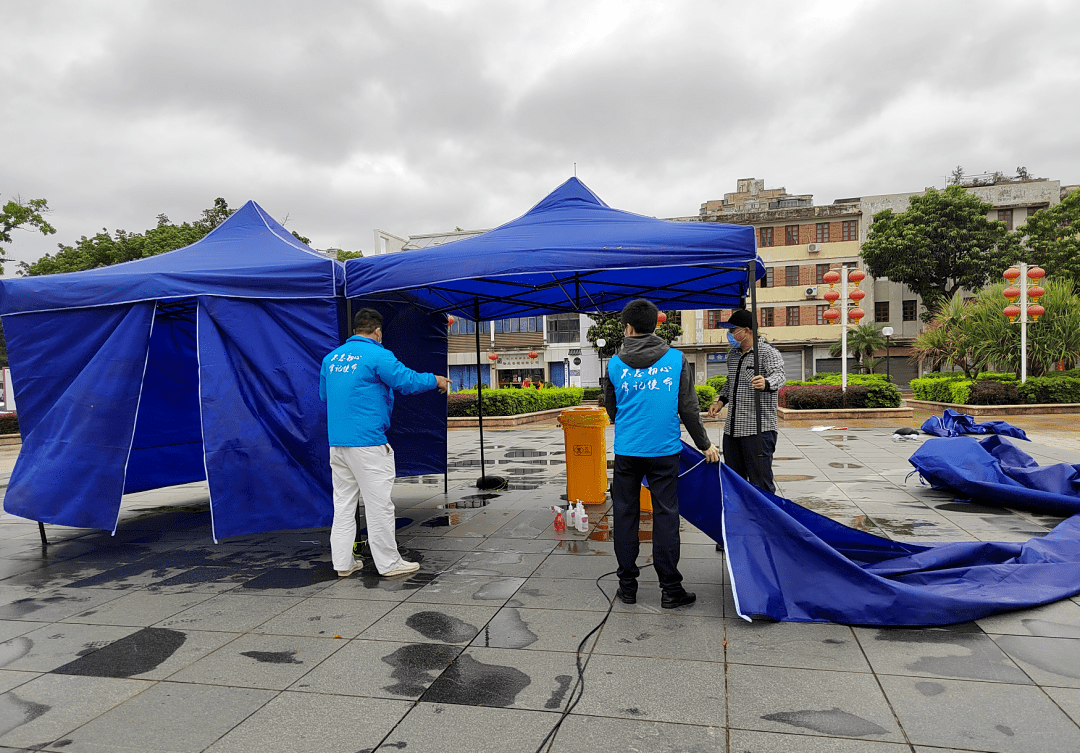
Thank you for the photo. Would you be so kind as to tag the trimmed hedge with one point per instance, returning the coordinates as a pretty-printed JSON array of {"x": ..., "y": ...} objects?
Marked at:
[
  {"x": 514, "y": 402},
  {"x": 987, "y": 392},
  {"x": 997, "y": 376},
  {"x": 591, "y": 393},
  {"x": 717, "y": 382},
  {"x": 1057, "y": 388},
  {"x": 706, "y": 396},
  {"x": 877, "y": 394},
  {"x": 9, "y": 423},
  {"x": 936, "y": 387}
]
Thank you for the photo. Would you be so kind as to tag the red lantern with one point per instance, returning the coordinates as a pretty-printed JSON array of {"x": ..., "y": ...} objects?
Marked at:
[
  {"x": 1012, "y": 312},
  {"x": 533, "y": 354},
  {"x": 1035, "y": 311},
  {"x": 1011, "y": 273},
  {"x": 450, "y": 321},
  {"x": 1036, "y": 292},
  {"x": 493, "y": 356},
  {"x": 856, "y": 314},
  {"x": 1036, "y": 273},
  {"x": 857, "y": 295},
  {"x": 831, "y": 277},
  {"x": 831, "y": 295},
  {"x": 661, "y": 317},
  {"x": 1012, "y": 293},
  {"x": 856, "y": 276},
  {"x": 830, "y": 316}
]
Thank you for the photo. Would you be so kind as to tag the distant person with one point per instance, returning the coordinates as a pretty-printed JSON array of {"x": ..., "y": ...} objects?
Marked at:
[
  {"x": 526, "y": 384},
  {"x": 745, "y": 452},
  {"x": 648, "y": 389},
  {"x": 357, "y": 383}
]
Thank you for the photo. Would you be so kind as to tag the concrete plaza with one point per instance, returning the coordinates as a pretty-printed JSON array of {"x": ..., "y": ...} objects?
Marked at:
[{"x": 157, "y": 639}]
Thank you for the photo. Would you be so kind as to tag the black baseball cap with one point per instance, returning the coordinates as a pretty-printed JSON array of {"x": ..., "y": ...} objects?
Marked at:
[{"x": 739, "y": 318}]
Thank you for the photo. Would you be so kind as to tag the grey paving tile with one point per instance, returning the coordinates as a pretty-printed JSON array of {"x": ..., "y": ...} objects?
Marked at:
[
  {"x": 962, "y": 652},
  {"x": 513, "y": 564},
  {"x": 52, "y": 646},
  {"x": 12, "y": 628},
  {"x": 436, "y": 623},
  {"x": 439, "y": 727},
  {"x": 326, "y": 618},
  {"x": 433, "y": 543},
  {"x": 587, "y": 568},
  {"x": 833, "y": 704},
  {"x": 56, "y": 604},
  {"x": 538, "y": 630},
  {"x": 711, "y": 599},
  {"x": 10, "y": 678},
  {"x": 137, "y": 609},
  {"x": 980, "y": 716},
  {"x": 230, "y": 612},
  {"x": 745, "y": 741},
  {"x": 468, "y": 589},
  {"x": 653, "y": 689},
  {"x": 588, "y": 547},
  {"x": 581, "y": 734},
  {"x": 50, "y": 706},
  {"x": 367, "y": 585},
  {"x": 172, "y": 707},
  {"x": 379, "y": 669},
  {"x": 1068, "y": 699},
  {"x": 296, "y": 722},
  {"x": 1058, "y": 620},
  {"x": 563, "y": 593},
  {"x": 1047, "y": 661},
  {"x": 790, "y": 644},
  {"x": 273, "y": 662},
  {"x": 675, "y": 635},
  {"x": 505, "y": 678},
  {"x": 521, "y": 546}
]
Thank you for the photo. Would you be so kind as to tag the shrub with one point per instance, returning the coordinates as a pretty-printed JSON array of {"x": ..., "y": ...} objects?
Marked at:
[
  {"x": 882, "y": 395},
  {"x": 1050, "y": 389},
  {"x": 826, "y": 396},
  {"x": 943, "y": 375},
  {"x": 514, "y": 402},
  {"x": 835, "y": 377},
  {"x": 997, "y": 376},
  {"x": 717, "y": 382},
  {"x": 706, "y": 396},
  {"x": 937, "y": 388},
  {"x": 590, "y": 393},
  {"x": 986, "y": 392},
  {"x": 959, "y": 391},
  {"x": 9, "y": 423}
]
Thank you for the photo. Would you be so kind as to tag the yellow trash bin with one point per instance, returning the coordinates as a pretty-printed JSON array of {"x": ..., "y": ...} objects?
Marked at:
[
  {"x": 586, "y": 453},
  {"x": 646, "y": 499}
]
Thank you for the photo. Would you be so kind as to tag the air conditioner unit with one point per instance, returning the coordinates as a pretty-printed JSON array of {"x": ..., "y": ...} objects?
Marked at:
[
  {"x": 813, "y": 248},
  {"x": 811, "y": 292}
]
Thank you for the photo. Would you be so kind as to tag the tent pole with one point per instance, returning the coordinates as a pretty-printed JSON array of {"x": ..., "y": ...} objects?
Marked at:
[
  {"x": 485, "y": 481},
  {"x": 41, "y": 530},
  {"x": 751, "y": 267}
]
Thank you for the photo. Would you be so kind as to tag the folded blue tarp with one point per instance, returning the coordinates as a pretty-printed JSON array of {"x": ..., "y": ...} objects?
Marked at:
[
  {"x": 993, "y": 471},
  {"x": 791, "y": 564},
  {"x": 953, "y": 424}
]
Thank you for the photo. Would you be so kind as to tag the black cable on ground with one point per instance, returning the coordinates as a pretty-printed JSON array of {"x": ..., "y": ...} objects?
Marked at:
[{"x": 581, "y": 667}]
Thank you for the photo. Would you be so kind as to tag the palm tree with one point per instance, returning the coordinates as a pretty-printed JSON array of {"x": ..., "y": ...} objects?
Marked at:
[{"x": 862, "y": 342}]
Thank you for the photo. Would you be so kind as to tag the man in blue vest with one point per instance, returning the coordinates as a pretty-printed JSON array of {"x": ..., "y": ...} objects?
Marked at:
[
  {"x": 649, "y": 389},
  {"x": 357, "y": 383}
]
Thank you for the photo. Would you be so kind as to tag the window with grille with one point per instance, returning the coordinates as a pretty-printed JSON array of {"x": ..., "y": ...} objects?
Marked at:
[
  {"x": 765, "y": 237},
  {"x": 791, "y": 235},
  {"x": 821, "y": 232},
  {"x": 910, "y": 310},
  {"x": 881, "y": 312},
  {"x": 1006, "y": 216},
  {"x": 766, "y": 318},
  {"x": 767, "y": 280},
  {"x": 821, "y": 314},
  {"x": 793, "y": 316},
  {"x": 791, "y": 275},
  {"x": 564, "y": 328},
  {"x": 820, "y": 271},
  {"x": 713, "y": 319},
  {"x": 849, "y": 230}
]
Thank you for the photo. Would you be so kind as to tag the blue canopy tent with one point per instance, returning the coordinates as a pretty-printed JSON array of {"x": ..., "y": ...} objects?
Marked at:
[
  {"x": 569, "y": 253},
  {"x": 200, "y": 363}
]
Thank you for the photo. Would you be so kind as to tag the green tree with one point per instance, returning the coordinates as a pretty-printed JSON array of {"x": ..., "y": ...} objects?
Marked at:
[
  {"x": 19, "y": 214},
  {"x": 608, "y": 327},
  {"x": 977, "y": 336},
  {"x": 942, "y": 243},
  {"x": 862, "y": 342},
  {"x": 344, "y": 256},
  {"x": 105, "y": 248},
  {"x": 1051, "y": 238}
]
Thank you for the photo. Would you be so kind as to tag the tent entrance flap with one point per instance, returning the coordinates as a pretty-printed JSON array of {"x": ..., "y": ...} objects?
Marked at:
[{"x": 167, "y": 448}]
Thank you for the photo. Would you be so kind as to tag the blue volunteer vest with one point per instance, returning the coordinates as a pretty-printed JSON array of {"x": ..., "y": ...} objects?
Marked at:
[{"x": 647, "y": 421}]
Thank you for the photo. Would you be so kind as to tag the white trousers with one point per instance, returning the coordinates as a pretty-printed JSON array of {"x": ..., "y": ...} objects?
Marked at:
[{"x": 369, "y": 471}]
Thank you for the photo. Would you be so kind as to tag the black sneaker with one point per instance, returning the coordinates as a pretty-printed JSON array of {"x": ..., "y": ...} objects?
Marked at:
[
  {"x": 626, "y": 596},
  {"x": 361, "y": 549},
  {"x": 680, "y": 598}
]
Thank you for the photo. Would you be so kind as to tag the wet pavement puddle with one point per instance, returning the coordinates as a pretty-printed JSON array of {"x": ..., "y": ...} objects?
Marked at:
[
  {"x": 272, "y": 657},
  {"x": 132, "y": 655},
  {"x": 14, "y": 711},
  {"x": 469, "y": 682},
  {"x": 508, "y": 630},
  {"x": 831, "y": 722},
  {"x": 436, "y": 626},
  {"x": 414, "y": 664}
]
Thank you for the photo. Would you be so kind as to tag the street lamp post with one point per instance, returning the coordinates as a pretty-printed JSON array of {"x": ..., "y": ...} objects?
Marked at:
[
  {"x": 887, "y": 331},
  {"x": 1023, "y": 272},
  {"x": 600, "y": 344}
]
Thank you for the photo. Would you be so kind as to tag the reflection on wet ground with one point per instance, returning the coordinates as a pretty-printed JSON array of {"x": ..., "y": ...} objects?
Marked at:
[{"x": 781, "y": 478}]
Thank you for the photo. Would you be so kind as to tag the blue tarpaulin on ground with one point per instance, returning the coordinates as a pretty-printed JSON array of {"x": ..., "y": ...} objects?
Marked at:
[
  {"x": 953, "y": 424},
  {"x": 200, "y": 363},
  {"x": 993, "y": 471},
  {"x": 792, "y": 564}
]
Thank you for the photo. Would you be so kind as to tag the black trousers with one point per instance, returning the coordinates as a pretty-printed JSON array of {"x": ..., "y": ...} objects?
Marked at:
[
  {"x": 741, "y": 456},
  {"x": 663, "y": 475}
]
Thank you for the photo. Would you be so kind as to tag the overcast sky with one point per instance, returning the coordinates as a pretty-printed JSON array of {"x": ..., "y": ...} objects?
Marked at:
[{"x": 417, "y": 117}]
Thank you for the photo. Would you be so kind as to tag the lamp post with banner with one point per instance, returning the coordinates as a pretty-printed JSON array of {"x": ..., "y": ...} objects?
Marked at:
[
  {"x": 1021, "y": 309},
  {"x": 887, "y": 331}
]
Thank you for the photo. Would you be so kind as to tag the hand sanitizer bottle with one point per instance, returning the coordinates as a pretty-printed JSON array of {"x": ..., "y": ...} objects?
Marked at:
[{"x": 582, "y": 518}]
